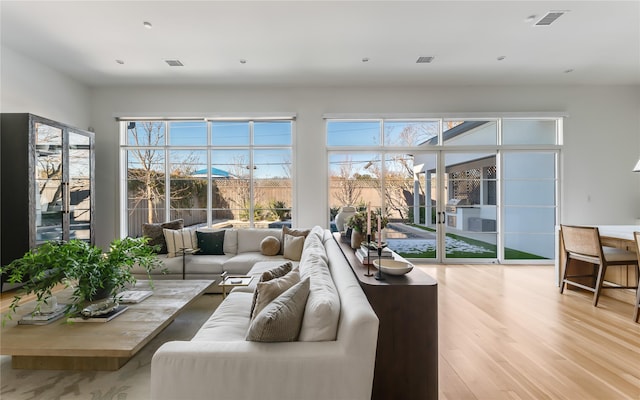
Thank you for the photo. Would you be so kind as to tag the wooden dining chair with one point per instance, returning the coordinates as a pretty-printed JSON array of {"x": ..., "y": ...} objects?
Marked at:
[
  {"x": 583, "y": 243},
  {"x": 636, "y": 308}
]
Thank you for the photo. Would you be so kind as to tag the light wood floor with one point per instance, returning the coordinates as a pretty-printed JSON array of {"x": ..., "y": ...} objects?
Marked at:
[{"x": 505, "y": 332}]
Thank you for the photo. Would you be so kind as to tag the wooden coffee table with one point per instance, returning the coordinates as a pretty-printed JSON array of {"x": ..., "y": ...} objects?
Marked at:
[{"x": 97, "y": 346}]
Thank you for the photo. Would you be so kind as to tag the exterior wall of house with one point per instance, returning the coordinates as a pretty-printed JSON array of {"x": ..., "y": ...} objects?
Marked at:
[{"x": 602, "y": 132}]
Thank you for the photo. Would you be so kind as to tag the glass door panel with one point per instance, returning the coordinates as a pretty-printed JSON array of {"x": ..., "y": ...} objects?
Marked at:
[
  {"x": 529, "y": 205},
  {"x": 410, "y": 195},
  {"x": 145, "y": 187},
  {"x": 79, "y": 186},
  {"x": 470, "y": 219},
  {"x": 272, "y": 187},
  {"x": 49, "y": 188},
  {"x": 231, "y": 187},
  {"x": 188, "y": 180}
]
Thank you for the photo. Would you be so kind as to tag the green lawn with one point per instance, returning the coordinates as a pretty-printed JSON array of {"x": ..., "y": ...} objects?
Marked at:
[{"x": 487, "y": 250}]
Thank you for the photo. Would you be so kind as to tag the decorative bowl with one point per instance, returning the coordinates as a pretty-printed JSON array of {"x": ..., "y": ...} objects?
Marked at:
[{"x": 393, "y": 267}]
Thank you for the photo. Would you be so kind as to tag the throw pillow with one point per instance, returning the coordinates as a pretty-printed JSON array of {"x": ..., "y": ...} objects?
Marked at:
[
  {"x": 179, "y": 239},
  {"x": 293, "y": 246},
  {"x": 276, "y": 272},
  {"x": 156, "y": 235},
  {"x": 211, "y": 243},
  {"x": 295, "y": 232},
  {"x": 267, "y": 291},
  {"x": 280, "y": 320},
  {"x": 268, "y": 275},
  {"x": 270, "y": 246}
]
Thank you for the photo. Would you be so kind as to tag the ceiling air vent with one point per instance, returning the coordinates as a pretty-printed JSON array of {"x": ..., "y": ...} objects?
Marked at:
[
  {"x": 425, "y": 59},
  {"x": 549, "y": 18},
  {"x": 174, "y": 63}
]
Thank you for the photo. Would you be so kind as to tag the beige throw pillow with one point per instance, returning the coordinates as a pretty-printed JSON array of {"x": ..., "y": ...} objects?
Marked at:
[
  {"x": 280, "y": 320},
  {"x": 270, "y": 246},
  {"x": 179, "y": 239},
  {"x": 276, "y": 272},
  {"x": 268, "y": 275},
  {"x": 293, "y": 246},
  {"x": 267, "y": 291}
]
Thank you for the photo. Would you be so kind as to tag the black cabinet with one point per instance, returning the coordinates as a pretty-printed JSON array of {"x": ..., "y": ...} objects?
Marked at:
[{"x": 47, "y": 193}]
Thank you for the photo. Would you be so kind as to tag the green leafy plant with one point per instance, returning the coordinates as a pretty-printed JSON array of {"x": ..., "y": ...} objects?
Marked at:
[
  {"x": 358, "y": 221},
  {"x": 80, "y": 265},
  {"x": 280, "y": 209}
]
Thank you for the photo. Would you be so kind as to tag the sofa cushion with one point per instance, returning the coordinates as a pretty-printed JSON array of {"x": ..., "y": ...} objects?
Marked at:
[
  {"x": 293, "y": 246},
  {"x": 249, "y": 239},
  {"x": 267, "y": 291},
  {"x": 322, "y": 310},
  {"x": 156, "y": 235},
  {"x": 258, "y": 269},
  {"x": 280, "y": 320},
  {"x": 270, "y": 246},
  {"x": 205, "y": 264},
  {"x": 229, "y": 321},
  {"x": 211, "y": 243},
  {"x": 242, "y": 262},
  {"x": 179, "y": 239}
]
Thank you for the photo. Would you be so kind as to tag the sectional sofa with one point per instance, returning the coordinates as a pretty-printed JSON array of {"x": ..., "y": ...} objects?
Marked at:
[
  {"x": 233, "y": 250},
  {"x": 328, "y": 352}
]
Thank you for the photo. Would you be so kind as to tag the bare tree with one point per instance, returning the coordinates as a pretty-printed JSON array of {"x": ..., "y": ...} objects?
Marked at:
[
  {"x": 349, "y": 190},
  {"x": 149, "y": 175}
]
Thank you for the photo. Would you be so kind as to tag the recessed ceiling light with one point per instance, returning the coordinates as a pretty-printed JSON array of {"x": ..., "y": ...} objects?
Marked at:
[
  {"x": 500, "y": 58},
  {"x": 120, "y": 62},
  {"x": 530, "y": 18},
  {"x": 147, "y": 24},
  {"x": 365, "y": 59}
]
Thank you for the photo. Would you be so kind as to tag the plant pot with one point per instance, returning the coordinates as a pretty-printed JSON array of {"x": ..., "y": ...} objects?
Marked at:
[
  {"x": 356, "y": 239},
  {"x": 101, "y": 293},
  {"x": 343, "y": 217}
]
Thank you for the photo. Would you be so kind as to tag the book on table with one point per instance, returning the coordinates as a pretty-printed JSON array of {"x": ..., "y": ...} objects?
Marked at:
[
  {"x": 361, "y": 255},
  {"x": 43, "y": 318},
  {"x": 102, "y": 317},
  {"x": 133, "y": 296}
]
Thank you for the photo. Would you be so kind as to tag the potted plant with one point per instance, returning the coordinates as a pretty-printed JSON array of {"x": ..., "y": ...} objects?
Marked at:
[
  {"x": 78, "y": 264},
  {"x": 358, "y": 223}
]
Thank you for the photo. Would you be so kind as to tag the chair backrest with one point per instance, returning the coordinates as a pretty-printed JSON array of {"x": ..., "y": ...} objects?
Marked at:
[
  {"x": 583, "y": 240},
  {"x": 636, "y": 235}
]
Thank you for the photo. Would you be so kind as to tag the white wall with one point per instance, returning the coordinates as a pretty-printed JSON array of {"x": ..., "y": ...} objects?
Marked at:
[
  {"x": 602, "y": 135},
  {"x": 27, "y": 86}
]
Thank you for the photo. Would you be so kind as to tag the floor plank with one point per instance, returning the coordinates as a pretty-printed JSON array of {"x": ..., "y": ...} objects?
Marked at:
[{"x": 505, "y": 332}]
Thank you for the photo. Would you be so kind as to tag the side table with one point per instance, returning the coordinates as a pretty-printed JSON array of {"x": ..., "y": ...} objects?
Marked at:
[{"x": 233, "y": 281}]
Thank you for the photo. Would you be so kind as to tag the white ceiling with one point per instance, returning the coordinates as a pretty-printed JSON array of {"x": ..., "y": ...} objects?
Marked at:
[{"x": 324, "y": 42}]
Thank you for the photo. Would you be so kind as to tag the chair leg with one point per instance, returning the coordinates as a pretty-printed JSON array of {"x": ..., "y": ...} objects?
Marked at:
[
  {"x": 636, "y": 312},
  {"x": 564, "y": 273},
  {"x": 602, "y": 269}
]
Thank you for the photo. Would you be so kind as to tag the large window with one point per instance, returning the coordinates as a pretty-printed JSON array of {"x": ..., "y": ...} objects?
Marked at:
[
  {"x": 452, "y": 188},
  {"x": 210, "y": 173}
]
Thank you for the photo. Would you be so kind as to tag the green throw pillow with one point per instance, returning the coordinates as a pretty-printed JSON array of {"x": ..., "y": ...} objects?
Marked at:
[{"x": 211, "y": 243}]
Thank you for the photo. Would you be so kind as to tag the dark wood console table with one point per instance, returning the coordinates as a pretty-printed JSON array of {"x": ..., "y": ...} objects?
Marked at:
[{"x": 407, "y": 354}]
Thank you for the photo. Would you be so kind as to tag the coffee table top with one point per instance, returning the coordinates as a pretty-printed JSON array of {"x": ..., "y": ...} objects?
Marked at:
[{"x": 123, "y": 336}]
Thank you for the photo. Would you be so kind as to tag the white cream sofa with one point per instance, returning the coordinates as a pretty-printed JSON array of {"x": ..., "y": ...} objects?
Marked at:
[
  {"x": 241, "y": 253},
  {"x": 218, "y": 363}
]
